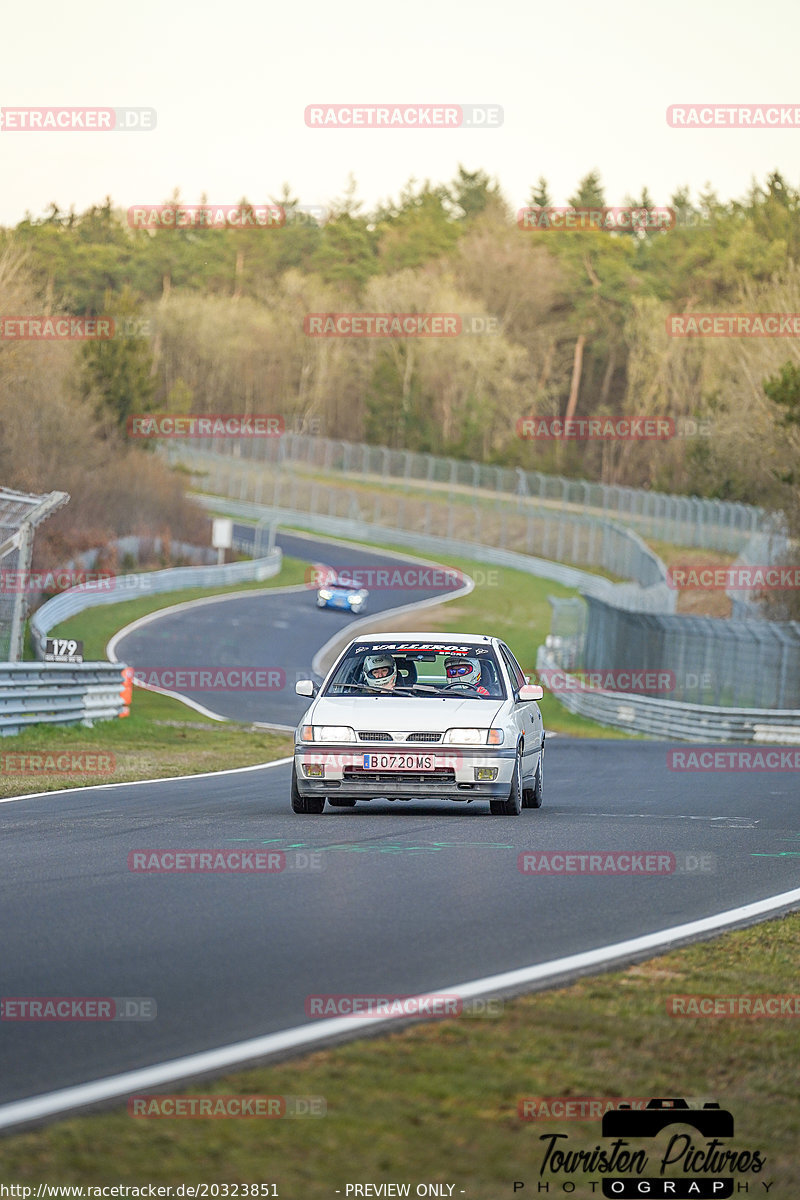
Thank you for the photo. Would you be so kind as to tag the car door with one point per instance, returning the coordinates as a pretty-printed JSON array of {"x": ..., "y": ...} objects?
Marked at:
[{"x": 526, "y": 717}]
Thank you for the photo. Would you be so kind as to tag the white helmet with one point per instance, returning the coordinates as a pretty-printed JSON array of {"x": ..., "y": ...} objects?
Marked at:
[
  {"x": 380, "y": 662},
  {"x": 463, "y": 670}
]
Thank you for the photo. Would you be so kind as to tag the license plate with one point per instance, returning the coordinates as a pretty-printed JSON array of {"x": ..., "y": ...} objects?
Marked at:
[{"x": 399, "y": 762}]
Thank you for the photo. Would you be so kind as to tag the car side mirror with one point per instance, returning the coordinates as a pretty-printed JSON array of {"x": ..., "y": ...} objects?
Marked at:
[
  {"x": 306, "y": 687},
  {"x": 530, "y": 691}
]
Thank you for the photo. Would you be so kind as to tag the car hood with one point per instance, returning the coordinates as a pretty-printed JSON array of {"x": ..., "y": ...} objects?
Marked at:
[{"x": 397, "y": 714}]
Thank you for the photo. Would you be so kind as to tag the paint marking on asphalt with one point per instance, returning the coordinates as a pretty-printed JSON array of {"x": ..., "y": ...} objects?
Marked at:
[
  {"x": 732, "y": 822},
  {"x": 304, "y": 1037},
  {"x": 105, "y": 787}
]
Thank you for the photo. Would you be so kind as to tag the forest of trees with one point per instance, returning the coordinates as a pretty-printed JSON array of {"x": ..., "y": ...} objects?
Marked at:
[{"x": 581, "y": 320}]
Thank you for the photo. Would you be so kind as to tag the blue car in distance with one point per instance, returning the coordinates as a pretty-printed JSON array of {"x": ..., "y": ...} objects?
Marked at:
[{"x": 338, "y": 591}]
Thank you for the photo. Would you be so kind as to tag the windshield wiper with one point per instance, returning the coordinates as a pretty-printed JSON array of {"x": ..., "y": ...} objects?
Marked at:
[
  {"x": 374, "y": 690},
  {"x": 453, "y": 691},
  {"x": 362, "y": 687}
]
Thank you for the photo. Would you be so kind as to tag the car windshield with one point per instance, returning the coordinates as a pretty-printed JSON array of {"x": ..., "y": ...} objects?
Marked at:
[{"x": 419, "y": 670}]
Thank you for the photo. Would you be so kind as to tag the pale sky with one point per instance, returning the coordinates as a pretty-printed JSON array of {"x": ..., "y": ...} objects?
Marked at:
[{"x": 583, "y": 84}]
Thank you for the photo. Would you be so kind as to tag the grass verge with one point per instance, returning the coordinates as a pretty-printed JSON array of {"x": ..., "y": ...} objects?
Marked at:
[{"x": 439, "y": 1102}]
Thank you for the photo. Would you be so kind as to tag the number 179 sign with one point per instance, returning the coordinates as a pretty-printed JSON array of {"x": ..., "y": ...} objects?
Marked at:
[{"x": 63, "y": 650}]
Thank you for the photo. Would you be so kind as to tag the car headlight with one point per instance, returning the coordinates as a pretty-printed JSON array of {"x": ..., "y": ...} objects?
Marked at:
[
  {"x": 327, "y": 733},
  {"x": 468, "y": 737},
  {"x": 475, "y": 737},
  {"x": 353, "y": 598},
  {"x": 324, "y": 594}
]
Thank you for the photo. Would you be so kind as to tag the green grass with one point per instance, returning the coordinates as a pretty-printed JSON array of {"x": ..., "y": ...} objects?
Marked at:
[{"x": 439, "y": 1101}]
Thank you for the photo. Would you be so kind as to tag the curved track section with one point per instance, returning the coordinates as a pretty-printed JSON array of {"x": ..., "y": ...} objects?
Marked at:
[
  {"x": 380, "y": 900},
  {"x": 276, "y": 631}
]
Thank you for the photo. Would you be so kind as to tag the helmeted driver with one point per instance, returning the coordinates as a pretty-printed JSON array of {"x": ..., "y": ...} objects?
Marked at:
[
  {"x": 465, "y": 670},
  {"x": 380, "y": 670}
]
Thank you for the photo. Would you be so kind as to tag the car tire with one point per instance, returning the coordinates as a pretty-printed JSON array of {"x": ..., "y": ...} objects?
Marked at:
[
  {"x": 304, "y": 804},
  {"x": 344, "y": 802},
  {"x": 538, "y": 790},
  {"x": 512, "y": 807}
]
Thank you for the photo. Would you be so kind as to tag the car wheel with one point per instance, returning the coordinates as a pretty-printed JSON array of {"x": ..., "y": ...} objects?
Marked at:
[
  {"x": 538, "y": 790},
  {"x": 345, "y": 802},
  {"x": 511, "y": 807},
  {"x": 304, "y": 804}
]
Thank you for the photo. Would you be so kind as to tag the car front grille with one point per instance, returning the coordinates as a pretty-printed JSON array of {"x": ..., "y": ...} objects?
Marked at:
[
  {"x": 371, "y": 735},
  {"x": 424, "y": 737},
  {"x": 437, "y": 775}
]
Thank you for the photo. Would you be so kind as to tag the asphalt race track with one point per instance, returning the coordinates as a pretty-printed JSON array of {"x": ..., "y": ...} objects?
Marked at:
[
  {"x": 401, "y": 900},
  {"x": 280, "y": 632}
]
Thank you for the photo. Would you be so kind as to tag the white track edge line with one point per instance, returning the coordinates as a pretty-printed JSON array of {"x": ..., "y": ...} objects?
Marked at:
[
  {"x": 64, "y": 1100},
  {"x": 107, "y": 787}
]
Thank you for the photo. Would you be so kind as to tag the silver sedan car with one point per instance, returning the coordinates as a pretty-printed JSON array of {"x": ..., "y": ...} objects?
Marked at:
[{"x": 421, "y": 717}]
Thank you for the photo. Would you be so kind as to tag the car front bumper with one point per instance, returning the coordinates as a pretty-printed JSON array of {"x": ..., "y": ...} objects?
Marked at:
[{"x": 427, "y": 772}]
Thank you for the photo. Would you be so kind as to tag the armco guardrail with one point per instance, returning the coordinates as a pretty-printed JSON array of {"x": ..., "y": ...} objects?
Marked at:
[
  {"x": 66, "y": 693},
  {"x": 685, "y": 520},
  {"x": 62, "y": 693},
  {"x": 657, "y": 597},
  {"x": 672, "y": 718},
  {"x": 636, "y": 714},
  {"x": 147, "y": 583},
  {"x": 542, "y": 534}
]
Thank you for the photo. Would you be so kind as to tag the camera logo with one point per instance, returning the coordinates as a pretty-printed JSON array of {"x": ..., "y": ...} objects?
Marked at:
[
  {"x": 685, "y": 1163},
  {"x": 710, "y": 1121}
]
